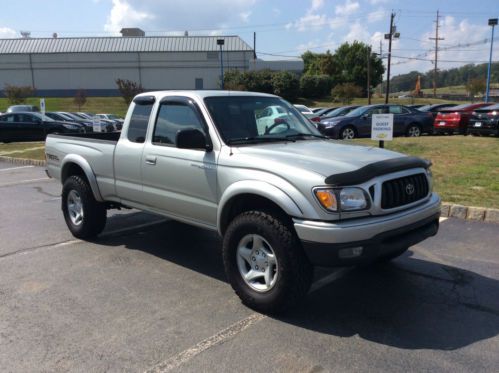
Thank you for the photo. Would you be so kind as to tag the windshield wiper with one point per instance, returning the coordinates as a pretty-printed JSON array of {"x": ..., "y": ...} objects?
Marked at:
[
  {"x": 254, "y": 139},
  {"x": 306, "y": 134}
]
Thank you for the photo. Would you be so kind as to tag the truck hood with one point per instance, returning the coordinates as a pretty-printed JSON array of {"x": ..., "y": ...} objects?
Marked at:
[{"x": 323, "y": 157}]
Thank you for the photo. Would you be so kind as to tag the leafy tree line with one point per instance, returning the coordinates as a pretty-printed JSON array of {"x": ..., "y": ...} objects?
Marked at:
[
  {"x": 339, "y": 74},
  {"x": 456, "y": 76}
]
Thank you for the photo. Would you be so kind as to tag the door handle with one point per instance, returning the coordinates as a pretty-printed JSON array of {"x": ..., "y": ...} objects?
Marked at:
[{"x": 150, "y": 160}]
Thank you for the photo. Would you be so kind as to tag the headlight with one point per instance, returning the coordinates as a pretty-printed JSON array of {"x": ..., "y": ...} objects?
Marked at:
[
  {"x": 352, "y": 199},
  {"x": 344, "y": 199},
  {"x": 328, "y": 124}
]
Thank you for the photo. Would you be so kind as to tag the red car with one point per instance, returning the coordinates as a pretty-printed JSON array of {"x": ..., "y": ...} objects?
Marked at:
[{"x": 455, "y": 119}]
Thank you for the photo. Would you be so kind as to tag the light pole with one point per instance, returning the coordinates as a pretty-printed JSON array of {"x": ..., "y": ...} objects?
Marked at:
[
  {"x": 493, "y": 23},
  {"x": 393, "y": 34},
  {"x": 221, "y": 42}
]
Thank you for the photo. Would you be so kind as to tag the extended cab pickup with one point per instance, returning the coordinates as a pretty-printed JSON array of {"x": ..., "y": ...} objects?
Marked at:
[{"x": 283, "y": 197}]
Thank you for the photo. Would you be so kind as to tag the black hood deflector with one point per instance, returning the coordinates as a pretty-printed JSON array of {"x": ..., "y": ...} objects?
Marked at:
[{"x": 376, "y": 169}]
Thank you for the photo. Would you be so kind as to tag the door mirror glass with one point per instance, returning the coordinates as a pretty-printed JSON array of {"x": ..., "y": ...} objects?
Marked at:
[{"x": 192, "y": 138}]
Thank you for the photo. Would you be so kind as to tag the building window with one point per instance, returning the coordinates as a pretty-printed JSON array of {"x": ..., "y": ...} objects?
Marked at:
[{"x": 199, "y": 83}]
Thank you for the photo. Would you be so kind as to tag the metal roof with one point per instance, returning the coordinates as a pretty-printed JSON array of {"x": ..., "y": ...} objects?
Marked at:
[{"x": 122, "y": 44}]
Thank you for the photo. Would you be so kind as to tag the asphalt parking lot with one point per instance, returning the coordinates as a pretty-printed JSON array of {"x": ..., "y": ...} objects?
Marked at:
[{"x": 151, "y": 295}]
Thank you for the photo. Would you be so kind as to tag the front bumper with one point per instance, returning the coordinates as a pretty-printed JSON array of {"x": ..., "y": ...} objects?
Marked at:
[{"x": 325, "y": 242}]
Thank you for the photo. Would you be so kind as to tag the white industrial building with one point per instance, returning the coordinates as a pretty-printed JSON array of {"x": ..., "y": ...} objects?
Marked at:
[{"x": 61, "y": 66}]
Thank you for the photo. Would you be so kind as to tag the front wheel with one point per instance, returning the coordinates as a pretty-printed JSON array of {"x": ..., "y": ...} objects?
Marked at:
[
  {"x": 413, "y": 131},
  {"x": 84, "y": 216},
  {"x": 265, "y": 263},
  {"x": 347, "y": 133}
]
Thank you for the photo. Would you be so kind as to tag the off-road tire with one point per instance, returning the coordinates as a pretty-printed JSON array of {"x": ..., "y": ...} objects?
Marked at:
[
  {"x": 94, "y": 212},
  {"x": 295, "y": 272}
]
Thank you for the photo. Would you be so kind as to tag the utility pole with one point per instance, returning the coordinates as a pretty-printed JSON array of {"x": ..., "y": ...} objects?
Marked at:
[
  {"x": 381, "y": 58},
  {"x": 493, "y": 23},
  {"x": 369, "y": 75},
  {"x": 392, "y": 34},
  {"x": 436, "y": 38},
  {"x": 254, "y": 45}
]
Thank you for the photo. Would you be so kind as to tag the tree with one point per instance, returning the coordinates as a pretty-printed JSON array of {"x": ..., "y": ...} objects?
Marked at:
[
  {"x": 17, "y": 94},
  {"x": 128, "y": 89},
  {"x": 319, "y": 64},
  {"x": 351, "y": 60},
  {"x": 286, "y": 84},
  {"x": 80, "y": 98},
  {"x": 346, "y": 92},
  {"x": 315, "y": 86},
  {"x": 475, "y": 86}
]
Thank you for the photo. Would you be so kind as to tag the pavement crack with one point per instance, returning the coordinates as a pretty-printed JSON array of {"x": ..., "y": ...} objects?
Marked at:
[{"x": 35, "y": 248}]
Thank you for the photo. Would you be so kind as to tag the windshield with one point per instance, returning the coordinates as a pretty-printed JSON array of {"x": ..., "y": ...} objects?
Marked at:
[
  {"x": 245, "y": 119},
  {"x": 358, "y": 112},
  {"x": 424, "y": 108}
]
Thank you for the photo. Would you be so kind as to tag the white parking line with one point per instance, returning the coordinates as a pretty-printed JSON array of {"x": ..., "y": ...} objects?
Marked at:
[
  {"x": 15, "y": 168},
  {"x": 216, "y": 339},
  {"x": 21, "y": 182},
  {"x": 183, "y": 357}
]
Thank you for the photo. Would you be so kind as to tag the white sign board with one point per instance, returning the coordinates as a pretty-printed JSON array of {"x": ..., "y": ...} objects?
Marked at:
[
  {"x": 42, "y": 106},
  {"x": 97, "y": 124},
  {"x": 382, "y": 127}
]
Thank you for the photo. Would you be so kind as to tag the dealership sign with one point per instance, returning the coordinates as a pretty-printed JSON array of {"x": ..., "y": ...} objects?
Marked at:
[{"x": 382, "y": 127}]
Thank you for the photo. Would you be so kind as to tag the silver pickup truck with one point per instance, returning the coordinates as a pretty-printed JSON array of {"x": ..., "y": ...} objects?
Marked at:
[{"x": 251, "y": 167}]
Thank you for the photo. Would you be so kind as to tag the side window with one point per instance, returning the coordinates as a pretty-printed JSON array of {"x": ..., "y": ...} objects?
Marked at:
[
  {"x": 137, "y": 128},
  {"x": 395, "y": 109},
  {"x": 173, "y": 117},
  {"x": 405, "y": 110}
]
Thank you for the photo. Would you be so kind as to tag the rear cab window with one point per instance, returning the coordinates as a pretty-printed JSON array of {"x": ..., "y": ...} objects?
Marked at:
[{"x": 139, "y": 120}]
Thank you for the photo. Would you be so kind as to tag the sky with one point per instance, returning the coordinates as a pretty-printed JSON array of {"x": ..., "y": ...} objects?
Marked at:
[{"x": 284, "y": 29}]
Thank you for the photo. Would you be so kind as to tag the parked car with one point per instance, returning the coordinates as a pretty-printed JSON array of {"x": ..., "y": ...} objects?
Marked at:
[
  {"x": 31, "y": 126},
  {"x": 307, "y": 113},
  {"x": 485, "y": 121},
  {"x": 317, "y": 109},
  {"x": 434, "y": 108},
  {"x": 76, "y": 119},
  {"x": 357, "y": 123},
  {"x": 118, "y": 122},
  {"x": 23, "y": 108},
  {"x": 100, "y": 125},
  {"x": 455, "y": 119},
  {"x": 415, "y": 106},
  {"x": 325, "y": 111},
  {"x": 60, "y": 117},
  {"x": 282, "y": 201},
  {"x": 338, "y": 112}
]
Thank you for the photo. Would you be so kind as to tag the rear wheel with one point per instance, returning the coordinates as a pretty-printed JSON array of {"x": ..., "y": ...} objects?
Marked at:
[
  {"x": 348, "y": 133},
  {"x": 265, "y": 263},
  {"x": 414, "y": 130},
  {"x": 84, "y": 216}
]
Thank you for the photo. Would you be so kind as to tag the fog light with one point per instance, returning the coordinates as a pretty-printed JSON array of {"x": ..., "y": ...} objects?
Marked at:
[{"x": 351, "y": 252}]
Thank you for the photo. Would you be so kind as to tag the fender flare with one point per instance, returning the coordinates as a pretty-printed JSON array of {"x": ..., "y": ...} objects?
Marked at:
[
  {"x": 87, "y": 169},
  {"x": 259, "y": 188}
]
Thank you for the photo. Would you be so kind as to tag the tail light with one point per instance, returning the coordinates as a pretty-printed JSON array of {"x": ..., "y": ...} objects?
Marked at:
[{"x": 315, "y": 119}]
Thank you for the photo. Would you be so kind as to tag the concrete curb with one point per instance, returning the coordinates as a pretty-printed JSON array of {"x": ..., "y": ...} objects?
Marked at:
[
  {"x": 453, "y": 210},
  {"x": 22, "y": 161},
  {"x": 449, "y": 210}
]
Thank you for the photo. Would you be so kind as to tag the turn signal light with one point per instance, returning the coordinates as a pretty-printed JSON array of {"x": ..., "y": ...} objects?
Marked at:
[{"x": 327, "y": 199}]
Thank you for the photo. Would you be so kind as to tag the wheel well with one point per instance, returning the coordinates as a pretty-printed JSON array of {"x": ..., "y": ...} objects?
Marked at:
[
  {"x": 72, "y": 169},
  {"x": 249, "y": 202}
]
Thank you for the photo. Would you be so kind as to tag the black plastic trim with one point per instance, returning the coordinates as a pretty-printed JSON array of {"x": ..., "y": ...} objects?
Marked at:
[
  {"x": 326, "y": 254},
  {"x": 372, "y": 170},
  {"x": 144, "y": 100}
]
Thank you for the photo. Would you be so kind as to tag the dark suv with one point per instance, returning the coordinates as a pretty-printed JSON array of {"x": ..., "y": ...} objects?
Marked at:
[{"x": 357, "y": 123}]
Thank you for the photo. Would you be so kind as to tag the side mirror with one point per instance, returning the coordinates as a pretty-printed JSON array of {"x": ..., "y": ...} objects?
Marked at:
[
  {"x": 365, "y": 116},
  {"x": 191, "y": 138}
]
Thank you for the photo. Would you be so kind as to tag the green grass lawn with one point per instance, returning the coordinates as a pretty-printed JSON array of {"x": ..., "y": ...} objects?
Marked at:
[
  {"x": 328, "y": 102},
  {"x": 465, "y": 168}
]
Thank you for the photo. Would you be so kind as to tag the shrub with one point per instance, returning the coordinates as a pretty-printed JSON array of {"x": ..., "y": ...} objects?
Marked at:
[
  {"x": 286, "y": 84},
  {"x": 17, "y": 94},
  {"x": 346, "y": 92},
  {"x": 80, "y": 98},
  {"x": 315, "y": 86},
  {"x": 128, "y": 89}
]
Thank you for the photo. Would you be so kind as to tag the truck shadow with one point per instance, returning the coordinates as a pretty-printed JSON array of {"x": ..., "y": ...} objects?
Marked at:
[{"x": 410, "y": 303}]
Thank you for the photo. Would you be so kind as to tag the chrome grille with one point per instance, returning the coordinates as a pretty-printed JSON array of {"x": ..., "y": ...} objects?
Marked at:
[{"x": 403, "y": 191}]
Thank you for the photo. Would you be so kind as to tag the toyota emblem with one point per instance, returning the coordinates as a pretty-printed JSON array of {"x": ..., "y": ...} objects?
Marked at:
[{"x": 409, "y": 189}]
